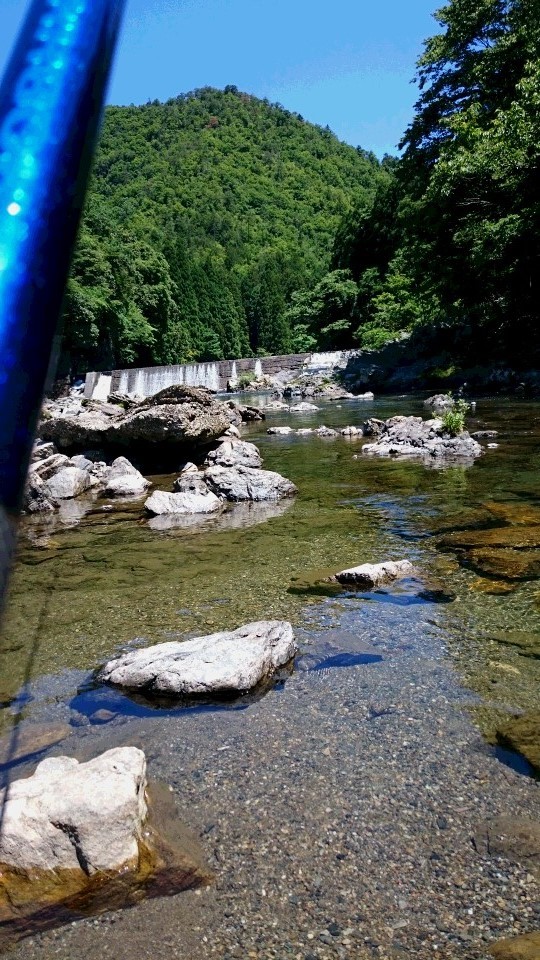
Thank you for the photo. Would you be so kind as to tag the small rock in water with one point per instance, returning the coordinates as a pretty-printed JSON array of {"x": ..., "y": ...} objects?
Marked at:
[
  {"x": 303, "y": 407},
  {"x": 234, "y": 453},
  {"x": 125, "y": 480},
  {"x": 161, "y": 502},
  {"x": 280, "y": 431},
  {"x": 375, "y": 574}
]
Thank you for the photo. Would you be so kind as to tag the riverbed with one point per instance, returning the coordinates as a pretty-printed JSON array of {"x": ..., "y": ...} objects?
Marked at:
[{"x": 338, "y": 811}]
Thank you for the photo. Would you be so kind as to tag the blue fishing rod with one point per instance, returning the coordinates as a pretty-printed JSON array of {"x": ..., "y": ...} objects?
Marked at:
[{"x": 51, "y": 101}]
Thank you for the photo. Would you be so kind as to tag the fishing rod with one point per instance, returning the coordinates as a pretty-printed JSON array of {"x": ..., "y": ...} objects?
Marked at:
[{"x": 51, "y": 101}]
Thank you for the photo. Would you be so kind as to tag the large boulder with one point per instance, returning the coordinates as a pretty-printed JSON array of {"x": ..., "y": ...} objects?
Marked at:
[
  {"x": 246, "y": 483},
  {"x": 82, "y": 817},
  {"x": 124, "y": 480},
  {"x": 187, "y": 416},
  {"x": 222, "y": 663},
  {"x": 370, "y": 575},
  {"x": 67, "y": 483},
  {"x": 415, "y": 437},
  {"x": 234, "y": 453},
  {"x": 161, "y": 502}
]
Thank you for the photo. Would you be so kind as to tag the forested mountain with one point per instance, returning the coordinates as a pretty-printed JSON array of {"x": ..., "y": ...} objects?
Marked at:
[{"x": 205, "y": 215}]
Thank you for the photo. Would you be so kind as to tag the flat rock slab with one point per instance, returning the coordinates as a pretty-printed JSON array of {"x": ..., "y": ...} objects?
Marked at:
[
  {"x": 161, "y": 502},
  {"x": 375, "y": 574},
  {"x": 515, "y": 838},
  {"x": 84, "y": 817},
  {"x": 221, "y": 663}
]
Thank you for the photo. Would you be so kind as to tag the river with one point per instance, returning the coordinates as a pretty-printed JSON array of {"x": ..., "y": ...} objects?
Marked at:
[{"x": 338, "y": 811}]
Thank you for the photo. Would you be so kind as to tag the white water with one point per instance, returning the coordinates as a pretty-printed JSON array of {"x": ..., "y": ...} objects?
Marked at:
[
  {"x": 258, "y": 369},
  {"x": 145, "y": 382},
  {"x": 102, "y": 388}
]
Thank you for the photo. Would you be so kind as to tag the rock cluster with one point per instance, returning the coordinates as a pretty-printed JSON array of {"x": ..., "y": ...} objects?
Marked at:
[
  {"x": 428, "y": 439},
  {"x": 231, "y": 472},
  {"x": 55, "y": 478}
]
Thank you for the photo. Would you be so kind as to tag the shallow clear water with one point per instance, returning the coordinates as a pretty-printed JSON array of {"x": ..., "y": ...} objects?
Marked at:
[{"x": 86, "y": 590}]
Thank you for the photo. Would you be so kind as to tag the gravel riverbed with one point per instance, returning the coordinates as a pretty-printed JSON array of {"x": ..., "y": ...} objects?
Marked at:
[{"x": 338, "y": 812}]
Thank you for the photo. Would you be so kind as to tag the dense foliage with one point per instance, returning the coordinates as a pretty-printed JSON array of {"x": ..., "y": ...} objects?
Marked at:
[
  {"x": 206, "y": 214},
  {"x": 452, "y": 240}
]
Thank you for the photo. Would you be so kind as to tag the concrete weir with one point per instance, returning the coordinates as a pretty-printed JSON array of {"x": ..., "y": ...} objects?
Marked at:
[{"x": 146, "y": 381}]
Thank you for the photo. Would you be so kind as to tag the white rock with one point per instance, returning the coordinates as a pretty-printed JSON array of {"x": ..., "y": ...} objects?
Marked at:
[
  {"x": 67, "y": 483},
  {"x": 235, "y": 660},
  {"x": 374, "y": 574},
  {"x": 247, "y": 483},
  {"x": 161, "y": 502},
  {"x": 324, "y": 431},
  {"x": 124, "y": 480},
  {"x": 234, "y": 453},
  {"x": 280, "y": 431},
  {"x": 303, "y": 430},
  {"x": 303, "y": 407},
  {"x": 188, "y": 467},
  {"x": 368, "y": 395},
  {"x": 352, "y": 432},
  {"x": 78, "y": 816}
]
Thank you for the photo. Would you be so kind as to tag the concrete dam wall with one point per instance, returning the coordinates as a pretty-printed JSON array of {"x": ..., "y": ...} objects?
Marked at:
[{"x": 146, "y": 381}]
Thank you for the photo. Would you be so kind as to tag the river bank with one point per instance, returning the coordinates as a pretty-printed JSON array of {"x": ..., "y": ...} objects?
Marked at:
[{"x": 351, "y": 794}]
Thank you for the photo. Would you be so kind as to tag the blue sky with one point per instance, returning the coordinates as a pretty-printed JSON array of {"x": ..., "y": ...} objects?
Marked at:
[{"x": 345, "y": 63}]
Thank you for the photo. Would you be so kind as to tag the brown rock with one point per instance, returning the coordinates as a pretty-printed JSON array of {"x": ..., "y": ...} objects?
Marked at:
[
  {"x": 510, "y": 564},
  {"x": 515, "y": 838},
  {"x": 528, "y": 644},
  {"x": 516, "y": 537},
  {"x": 522, "y": 734},
  {"x": 514, "y": 511}
]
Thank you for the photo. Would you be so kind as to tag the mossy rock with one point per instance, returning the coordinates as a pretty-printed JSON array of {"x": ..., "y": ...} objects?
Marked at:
[
  {"x": 522, "y": 734},
  {"x": 526, "y": 947},
  {"x": 514, "y": 512},
  {"x": 518, "y": 537},
  {"x": 527, "y": 643},
  {"x": 504, "y": 563}
]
